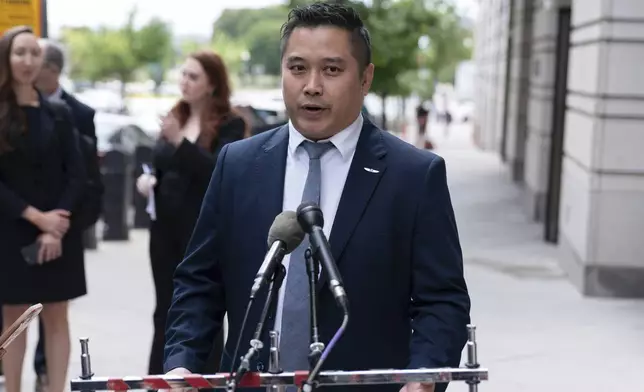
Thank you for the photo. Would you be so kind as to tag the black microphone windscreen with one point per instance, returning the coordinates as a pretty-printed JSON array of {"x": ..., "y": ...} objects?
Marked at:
[
  {"x": 287, "y": 229},
  {"x": 310, "y": 214}
]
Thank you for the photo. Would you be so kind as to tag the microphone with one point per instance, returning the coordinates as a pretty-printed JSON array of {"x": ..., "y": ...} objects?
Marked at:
[
  {"x": 310, "y": 217},
  {"x": 284, "y": 236}
]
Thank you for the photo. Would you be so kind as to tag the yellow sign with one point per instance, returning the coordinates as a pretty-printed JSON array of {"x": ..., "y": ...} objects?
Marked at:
[{"x": 21, "y": 12}]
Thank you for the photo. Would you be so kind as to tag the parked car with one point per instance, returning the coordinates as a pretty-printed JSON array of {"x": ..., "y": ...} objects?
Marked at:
[
  {"x": 120, "y": 132},
  {"x": 103, "y": 101},
  {"x": 261, "y": 120}
]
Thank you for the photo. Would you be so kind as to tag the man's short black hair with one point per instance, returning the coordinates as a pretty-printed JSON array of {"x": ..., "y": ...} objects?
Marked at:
[{"x": 333, "y": 15}]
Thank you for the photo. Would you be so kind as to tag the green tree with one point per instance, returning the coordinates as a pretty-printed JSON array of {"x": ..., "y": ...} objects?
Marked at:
[
  {"x": 448, "y": 45},
  {"x": 298, "y": 3},
  {"x": 79, "y": 42},
  {"x": 264, "y": 46},
  {"x": 115, "y": 57},
  {"x": 152, "y": 47},
  {"x": 231, "y": 52},
  {"x": 119, "y": 53},
  {"x": 236, "y": 23},
  {"x": 395, "y": 28},
  {"x": 259, "y": 30}
]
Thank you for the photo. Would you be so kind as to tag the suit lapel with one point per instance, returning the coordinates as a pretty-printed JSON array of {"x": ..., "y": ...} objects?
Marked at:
[
  {"x": 268, "y": 173},
  {"x": 364, "y": 175}
]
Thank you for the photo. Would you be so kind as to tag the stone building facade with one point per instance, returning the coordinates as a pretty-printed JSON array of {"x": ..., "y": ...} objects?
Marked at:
[{"x": 560, "y": 96}]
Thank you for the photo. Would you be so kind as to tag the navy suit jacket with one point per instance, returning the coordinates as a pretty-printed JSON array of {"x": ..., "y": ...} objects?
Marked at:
[
  {"x": 83, "y": 116},
  {"x": 394, "y": 240}
]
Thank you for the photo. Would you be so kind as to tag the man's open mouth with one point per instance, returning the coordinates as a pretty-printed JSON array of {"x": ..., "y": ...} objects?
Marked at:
[{"x": 312, "y": 108}]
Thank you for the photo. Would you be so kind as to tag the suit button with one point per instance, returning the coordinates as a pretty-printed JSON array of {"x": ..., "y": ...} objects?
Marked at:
[{"x": 260, "y": 366}]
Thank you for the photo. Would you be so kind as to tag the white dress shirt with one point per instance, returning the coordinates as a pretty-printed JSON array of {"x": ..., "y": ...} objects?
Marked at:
[{"x": 335, "y": 166}]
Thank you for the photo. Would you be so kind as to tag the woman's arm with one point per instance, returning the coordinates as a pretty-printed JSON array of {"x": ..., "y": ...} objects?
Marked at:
[
  {"x": 14, "y": 207},
  {"x": 195, "y": 159}
]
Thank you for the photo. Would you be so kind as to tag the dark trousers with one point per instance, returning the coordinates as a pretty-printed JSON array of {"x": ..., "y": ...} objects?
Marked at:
[
  {"x": 167, "y": 247},
  {"x": 40, "y": 364}
]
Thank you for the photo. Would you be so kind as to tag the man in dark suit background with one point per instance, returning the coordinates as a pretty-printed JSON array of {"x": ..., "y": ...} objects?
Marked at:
[
  {"x": 49, "y": 85},
  {"x": 387, "y": 213}
]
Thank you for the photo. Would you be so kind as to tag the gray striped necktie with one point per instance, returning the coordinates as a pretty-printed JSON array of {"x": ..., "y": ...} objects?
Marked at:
[{"x": 295, "y": 336}]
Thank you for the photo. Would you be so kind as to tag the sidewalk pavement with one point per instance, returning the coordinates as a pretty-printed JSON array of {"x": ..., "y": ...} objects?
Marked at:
[{"x": 535, "y": 332}]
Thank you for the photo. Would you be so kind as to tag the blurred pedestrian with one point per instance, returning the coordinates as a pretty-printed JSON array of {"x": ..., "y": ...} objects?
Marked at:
[
  {"x": 192, "y": 135},
  {"x": 422, "y": 119},
  {"x": 41, "y": 181},
  {"x": 89, "y": 210}
]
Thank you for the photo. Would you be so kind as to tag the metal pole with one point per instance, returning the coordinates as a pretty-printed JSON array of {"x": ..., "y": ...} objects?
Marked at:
[
  {"x": 472, "y": 356},
  {"x": 86, "y": 364},
  {"x": 44, "y": 26},
  {"x": 274, "y": 360}
]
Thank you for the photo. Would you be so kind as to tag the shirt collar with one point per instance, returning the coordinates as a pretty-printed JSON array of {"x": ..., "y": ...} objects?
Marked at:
[
  {"x": 344, "y": 141},
  {"x": 56, "y": 95}
]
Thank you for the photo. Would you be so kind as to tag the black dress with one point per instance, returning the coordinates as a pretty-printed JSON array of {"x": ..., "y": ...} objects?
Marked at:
[
  {"x": 44, "y": 170},
  {"x": 183, "y": 174}
]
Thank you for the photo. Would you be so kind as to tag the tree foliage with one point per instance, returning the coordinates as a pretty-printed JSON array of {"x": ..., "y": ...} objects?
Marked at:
[
  {"x": 119, "y": 53},
  {"x": 230, "y": 51},
  {"x": 236, "y": 23},
  {"x": 258, "y": 30}
]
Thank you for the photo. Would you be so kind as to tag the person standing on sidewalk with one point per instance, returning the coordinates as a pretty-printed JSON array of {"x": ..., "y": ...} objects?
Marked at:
[
  {"x": 192, "y": 135},
  {"x": 387, "y": 214},
  {"x": 422, "y": 119},
  {"x": 88, "y": 212},
  {"x": 42, "y": 180}
]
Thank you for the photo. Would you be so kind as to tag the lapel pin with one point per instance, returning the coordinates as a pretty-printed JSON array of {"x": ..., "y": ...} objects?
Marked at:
[{"x": 370, "y": 170}]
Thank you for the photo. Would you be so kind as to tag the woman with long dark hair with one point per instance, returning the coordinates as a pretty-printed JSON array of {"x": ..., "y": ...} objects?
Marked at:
[
  {"x": 192, "y": 135},
  {"x": 41, "y": 181}
]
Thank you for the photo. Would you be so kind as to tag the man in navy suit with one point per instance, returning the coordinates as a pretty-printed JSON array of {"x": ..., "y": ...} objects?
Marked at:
[{"x": 387, "y": 211}]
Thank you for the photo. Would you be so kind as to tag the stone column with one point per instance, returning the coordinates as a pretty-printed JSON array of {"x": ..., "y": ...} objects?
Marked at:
[
  {"x": 514, "y": 150},
  {"x": 491, "y": 62},
  {"x": 602, "y": 201},
  {"x": 540, "y": 106}
]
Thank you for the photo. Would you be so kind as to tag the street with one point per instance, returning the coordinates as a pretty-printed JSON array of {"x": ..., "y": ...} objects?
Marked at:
[{"x": 535, "y": 332}]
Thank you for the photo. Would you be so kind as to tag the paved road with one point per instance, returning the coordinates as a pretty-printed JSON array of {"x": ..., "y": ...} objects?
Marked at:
[{"x": 536, "y": 333}]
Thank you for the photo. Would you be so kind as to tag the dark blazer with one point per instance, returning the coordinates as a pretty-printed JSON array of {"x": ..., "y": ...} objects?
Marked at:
[
  {"x": 45, "y": 171},
  {"x": 52, "y": 164},
  {"x": 83, "y": 116},
  {"x": 394, "y": 239},
  {"x": 183, "y": 173}
]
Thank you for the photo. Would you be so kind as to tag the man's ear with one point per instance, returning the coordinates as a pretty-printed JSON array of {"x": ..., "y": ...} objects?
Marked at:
[{"x": 367, "y": 78}]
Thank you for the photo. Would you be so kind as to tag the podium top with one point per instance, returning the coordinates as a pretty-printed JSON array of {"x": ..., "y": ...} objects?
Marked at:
[{"x": 254, "y": 380}]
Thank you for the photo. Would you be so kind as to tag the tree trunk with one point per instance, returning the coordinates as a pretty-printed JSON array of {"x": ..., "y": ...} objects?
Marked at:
[
  {"x": 123, "y": 88},
  {"x": 403, "y": 105}
]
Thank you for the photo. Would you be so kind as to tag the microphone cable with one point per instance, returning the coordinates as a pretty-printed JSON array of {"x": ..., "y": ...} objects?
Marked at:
[
  {"x": 239, "y": 338},
  {"x": 311, "y": 381}
]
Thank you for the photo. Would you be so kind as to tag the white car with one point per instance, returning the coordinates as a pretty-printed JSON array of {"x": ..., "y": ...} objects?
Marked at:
[{"x": 103, "y": 101}]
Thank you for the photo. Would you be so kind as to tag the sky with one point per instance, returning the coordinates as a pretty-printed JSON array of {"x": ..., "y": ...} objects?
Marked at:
[{"x": 188, "y": 17}]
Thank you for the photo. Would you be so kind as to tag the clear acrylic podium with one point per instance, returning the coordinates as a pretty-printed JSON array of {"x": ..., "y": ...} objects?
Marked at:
[{"x": 275, "y": 380}]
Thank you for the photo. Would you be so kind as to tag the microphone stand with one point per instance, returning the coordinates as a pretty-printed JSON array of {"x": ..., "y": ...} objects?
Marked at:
[
  {"x": 256, "y": 343},
  {"x": 313, "y": 270},
  {"x": 311, "y": 383}
]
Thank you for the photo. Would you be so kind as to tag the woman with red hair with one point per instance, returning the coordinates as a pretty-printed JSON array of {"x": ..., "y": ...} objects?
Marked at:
[{"x": 192, "y": 135}]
